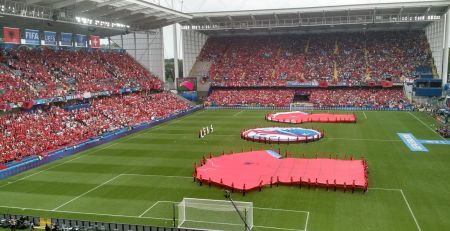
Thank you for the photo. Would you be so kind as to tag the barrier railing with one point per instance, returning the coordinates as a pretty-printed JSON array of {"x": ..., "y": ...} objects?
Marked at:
[
  {"x": 71, "y": 224},
  {"x": 36, "y": 161}
]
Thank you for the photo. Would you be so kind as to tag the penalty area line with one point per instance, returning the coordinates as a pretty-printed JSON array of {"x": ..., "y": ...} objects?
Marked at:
[{"x": 406, "y": 202}]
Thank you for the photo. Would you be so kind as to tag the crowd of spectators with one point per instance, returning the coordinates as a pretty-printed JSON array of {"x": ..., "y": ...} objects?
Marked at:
[
  {"x": 260, "y": 97},
  {"x": 51, "y": 127},
  {"x": 372, "y": 97},
  {"x": 45, "y": 73},
  {"x": 352, "y": 58},
  {"x": 375, "y": 98},
  {"x": 444, "y": 131}
]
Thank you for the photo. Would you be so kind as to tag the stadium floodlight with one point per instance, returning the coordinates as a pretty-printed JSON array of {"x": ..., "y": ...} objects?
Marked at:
[{"x": 204, "y": 214}]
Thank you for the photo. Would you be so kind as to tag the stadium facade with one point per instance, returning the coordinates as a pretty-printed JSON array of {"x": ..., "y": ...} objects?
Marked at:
[{"x": 433, "y": 17}]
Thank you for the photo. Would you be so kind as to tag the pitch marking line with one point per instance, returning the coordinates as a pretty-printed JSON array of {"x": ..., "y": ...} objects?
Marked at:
[
  {"x": 257, "y": 226},
  {"x": 147, "y": 210},
  {"x": 84, "y": 213},
  {"x": 237, "y": 113},
  {"x": 418, "y": 119},
  {"x": 98, "y": 186},
  {"x": 406, "y": 202},
  {"x": 364, "y": 114}
]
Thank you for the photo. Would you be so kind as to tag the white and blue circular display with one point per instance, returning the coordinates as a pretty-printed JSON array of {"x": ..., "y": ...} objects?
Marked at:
[{"x": 280, "y": 134}]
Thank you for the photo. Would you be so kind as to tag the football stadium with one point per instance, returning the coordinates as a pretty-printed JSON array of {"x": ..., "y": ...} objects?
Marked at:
[{"x": 142, "y": 115}]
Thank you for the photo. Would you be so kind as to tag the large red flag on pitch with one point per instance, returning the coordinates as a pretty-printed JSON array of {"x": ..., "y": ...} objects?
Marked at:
[
  {"x": 11, "y": 35},
  {"x": 95, "y": 41}
]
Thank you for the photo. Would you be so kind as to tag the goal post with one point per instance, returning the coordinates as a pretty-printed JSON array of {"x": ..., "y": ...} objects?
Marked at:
[
  {"x": 204, "y": 214},
  {"x": 300, "y": 106}
]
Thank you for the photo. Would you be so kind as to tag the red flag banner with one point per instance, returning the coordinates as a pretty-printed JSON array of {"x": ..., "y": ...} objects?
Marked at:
[
  {"x": 323, "y": 84},
  {"x": 11, "y": 35},
  {"x": 95, "y": 41},
  {"x": 386, "y": 83}
]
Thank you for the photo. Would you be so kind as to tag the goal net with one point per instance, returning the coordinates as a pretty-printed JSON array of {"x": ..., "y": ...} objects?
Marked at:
[
  {"x": 203, "y": 214},
  {"x": 300, "y": 106}
]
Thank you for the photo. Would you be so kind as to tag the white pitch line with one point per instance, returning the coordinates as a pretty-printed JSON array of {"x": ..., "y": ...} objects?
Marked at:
[
  {"x": 149, "y": 175},
  {"x": 410, "y": 210},
  {"x": 307, "y": 220},
  {"x": 364, "y": 114},
  {"x": 96, "y": 187},
  {"x": 93, "y": 150},
  {"x": 142, "y": 214},
  {"x": 271, "y": 227},
  {"x": 405, "y": 200},
  {"x": 84, "y": 213},
  {"x": 426, "y": 125},
  {"x": 356, "y": 139},
  {"x": 282, "y": 210},
  {"x": 237, "y": 113}
]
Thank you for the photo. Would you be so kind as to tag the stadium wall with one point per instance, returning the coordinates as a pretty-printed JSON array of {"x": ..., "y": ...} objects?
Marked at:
[
  {"x": 36, "y": 161},
  {"x": 147, "y": 48},
  {"x": 193, "y": 42},
  {"x": 435, "y": 36}
]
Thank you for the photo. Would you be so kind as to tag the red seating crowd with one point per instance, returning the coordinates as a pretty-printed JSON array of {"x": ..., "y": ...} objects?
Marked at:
[
  {"x": 352, "y": 58},
  {"x": 260, "y": 97},
  {"x": 375, "y": 98},
  {"x": 44, "y": 73},
  {"x": 51, "y": 128}
]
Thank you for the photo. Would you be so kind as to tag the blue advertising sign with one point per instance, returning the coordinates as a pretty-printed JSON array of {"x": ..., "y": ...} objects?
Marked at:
[
  {"x": 50, "y": 38},
  {"x": 412, "y": 143},
  {"x": 80, "y": 40},
  {"x": 32, "y": 37},
  {"x": 66, "y": 39}
]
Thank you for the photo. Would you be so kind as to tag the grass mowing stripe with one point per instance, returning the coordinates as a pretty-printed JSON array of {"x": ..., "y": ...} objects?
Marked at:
[
  {"x": 96, "y": 187},
  {"x": 93, "y": 150},
  {"x": 405, "y": 200},
  {"x": 168, "y": 163}
]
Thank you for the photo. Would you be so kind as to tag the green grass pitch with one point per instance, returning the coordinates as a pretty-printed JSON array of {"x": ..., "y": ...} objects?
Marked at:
[{"x": 135, "y": 179}]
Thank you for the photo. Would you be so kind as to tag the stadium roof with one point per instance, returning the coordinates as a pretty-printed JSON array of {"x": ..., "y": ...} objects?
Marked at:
[
  {"x": 110, "y": 15},
  {"x": 392, "y": 15}
]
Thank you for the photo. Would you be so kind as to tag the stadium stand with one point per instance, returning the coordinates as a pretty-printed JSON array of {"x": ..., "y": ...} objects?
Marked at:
[
  {"x": 352, "y": 58},
  {"x": 257, "y": 97},
  {"x": 375, "y": 98},
  {"x": 360, "y": 97},
  {"x": 44, "y": 73},
  {"x": 49, "y": 128}
]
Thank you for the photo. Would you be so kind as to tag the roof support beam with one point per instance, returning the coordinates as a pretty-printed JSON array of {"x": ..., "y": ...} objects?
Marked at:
[
  {"x": 34, "y": 1},
  {"x": 153, "y": 22},
  {"x": 66, "y": 3},
  {"x": 159, "y": 22},
  {"x": 112, "y": 11},
  {"x": 426, "y": 12},
  {"x": 131, "y": 18},
  {"x": 135, "y": 12}
]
